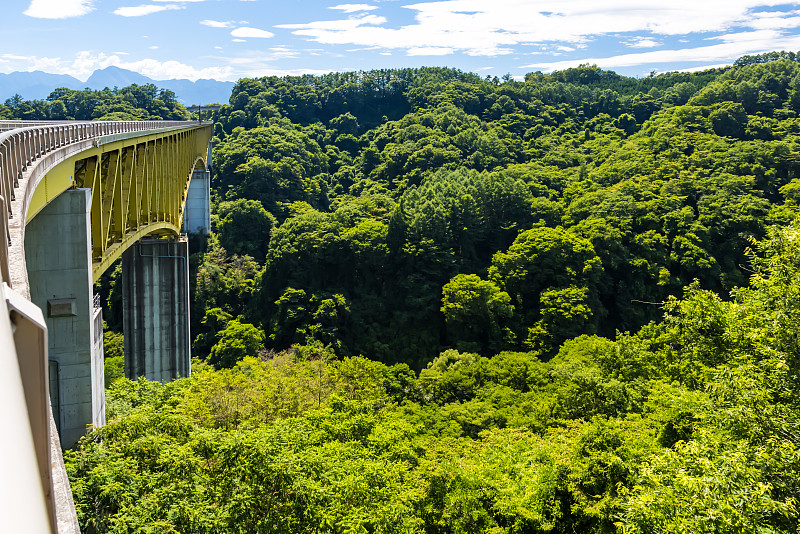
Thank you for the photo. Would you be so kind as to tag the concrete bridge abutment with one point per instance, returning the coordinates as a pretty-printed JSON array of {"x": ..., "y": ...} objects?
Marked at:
[
  {"x": 155, "y": 278},
  {"x": 58, "y": 254}
]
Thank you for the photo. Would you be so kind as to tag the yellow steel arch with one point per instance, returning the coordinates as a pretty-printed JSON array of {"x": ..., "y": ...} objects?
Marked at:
[{"x": 139, "y": 183}]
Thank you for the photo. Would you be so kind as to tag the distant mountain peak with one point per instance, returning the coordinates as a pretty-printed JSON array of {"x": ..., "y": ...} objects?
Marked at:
[
  {"x": 38, "y": 85},
  {"x": 116, "y": 77}
]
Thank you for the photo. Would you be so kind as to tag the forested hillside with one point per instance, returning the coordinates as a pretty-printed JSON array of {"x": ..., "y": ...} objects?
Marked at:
[
  {"x": 439, "y": 303},
  {"x": 135, "y": 102},
  {"x": 689, "y": 425},
  {"x": 395, "y": 214}
]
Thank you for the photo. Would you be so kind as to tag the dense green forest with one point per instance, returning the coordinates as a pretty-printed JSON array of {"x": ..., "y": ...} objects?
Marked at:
[
  {"x": 689, "y": 425},
  {"x": 397, "y": 214},
  {"x": 135, "y": 102},
  {"x": 438, "y": 303}
]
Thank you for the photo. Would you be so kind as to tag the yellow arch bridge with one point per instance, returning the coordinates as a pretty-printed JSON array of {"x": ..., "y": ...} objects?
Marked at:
[{"x": 78, "y": 196}]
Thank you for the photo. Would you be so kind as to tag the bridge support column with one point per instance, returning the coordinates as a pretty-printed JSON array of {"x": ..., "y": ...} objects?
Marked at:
[
  {"x": 58, "y": 254},
  {"x": 197, "y": 212},
  {"x": 155, "y": 309}
]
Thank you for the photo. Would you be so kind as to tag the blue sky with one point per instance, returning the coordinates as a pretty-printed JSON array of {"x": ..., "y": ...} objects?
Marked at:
[{"x": 229, "y": 39}]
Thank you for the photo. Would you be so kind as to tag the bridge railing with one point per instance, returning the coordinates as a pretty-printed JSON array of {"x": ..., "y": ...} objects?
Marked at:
[
  {"x": 14, "y": 124},
  {"x": 28, "y": 499}
]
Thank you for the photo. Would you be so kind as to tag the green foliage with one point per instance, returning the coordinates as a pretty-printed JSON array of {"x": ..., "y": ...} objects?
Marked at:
[
  {"x": 475, "y": 311},
  {"x": 708, "y": 486},
  {"x": 273, "y": 164},
  {"x": 588, "y": 230},
  {"x": 388, "y": 184},
  {"x": 244, "y": 228},
  {"x": 236, "y": 341},
  {"x": 540, "y": 270},
  {"x": 222, "y": 282},
  {"x": 114, "y": 356},
  {"x": 135, "y": 102},
  {"x": 689, "y": 425}
]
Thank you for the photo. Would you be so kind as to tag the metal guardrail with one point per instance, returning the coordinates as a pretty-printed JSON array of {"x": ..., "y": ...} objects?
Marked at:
[
  {"x": 13, "y": 124},
  {"x": 27, "y": 413}
]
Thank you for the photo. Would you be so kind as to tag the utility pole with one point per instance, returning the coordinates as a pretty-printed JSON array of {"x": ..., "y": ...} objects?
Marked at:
[{"x": 200, "y": 109}]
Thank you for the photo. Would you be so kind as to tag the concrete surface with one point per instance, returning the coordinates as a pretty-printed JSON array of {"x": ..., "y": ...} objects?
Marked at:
[
  {"x": 155, "y": 309},
  {"x": 197, "y": 211},
  {"x": 58, "y": 258}
]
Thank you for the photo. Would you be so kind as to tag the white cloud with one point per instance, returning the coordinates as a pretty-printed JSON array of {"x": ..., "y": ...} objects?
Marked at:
[
  {"x": 144, "y": 9},
  {"x": 705, "y": 67},
  {"x": 352, "y": 8},
  {"x": 429, "y": 51},
  {"x": 734, "y": 45},
  {"x": 84, "y": 63},
  {"x": 759, "y": 36},
  {"x": 244, "y": 31},
  {"x": 218, "y": 23},
  {"x": 643, "y": 42},
  {"x": 154, "y": 47},
  {"x": 335, "y": 26},
  {"x": 776, "y": 21},
  {"x": 16, "y": 57},
  {"x": 724, "y": 30},
  {"x": 478, "y": 27},
  {"x": 58, "y": 9},
  {"x": 31, "y": 63},
  {"x": 282, "y": 52},
  {"x": 489, "y": 51},
  {"x": 364, "y": 49},
  {"x": 253, "y": 63},
  {"x": 167, "y": 70},
  {"x": 254, "y": 60}
]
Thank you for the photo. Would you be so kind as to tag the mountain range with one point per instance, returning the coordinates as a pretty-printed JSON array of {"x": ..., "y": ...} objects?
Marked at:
[{"x": 38, "y": 85}]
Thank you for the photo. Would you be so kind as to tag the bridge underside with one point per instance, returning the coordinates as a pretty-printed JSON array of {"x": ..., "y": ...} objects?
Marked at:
[{"x": 139, "y": 186}]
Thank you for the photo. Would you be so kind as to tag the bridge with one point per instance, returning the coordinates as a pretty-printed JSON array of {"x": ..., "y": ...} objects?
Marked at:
[{"x": 75, "y": 197}]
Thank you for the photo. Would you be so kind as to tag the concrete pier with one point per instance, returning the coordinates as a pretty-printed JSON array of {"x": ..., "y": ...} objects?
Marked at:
[
  {"x": 155, "y": 309},
  {"x": 58, "y": 256},
  {"x": 197, "y": 212}
]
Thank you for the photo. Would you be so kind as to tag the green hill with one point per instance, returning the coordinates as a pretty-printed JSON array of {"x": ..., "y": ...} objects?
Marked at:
[{"x": 439, "y": 303}]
